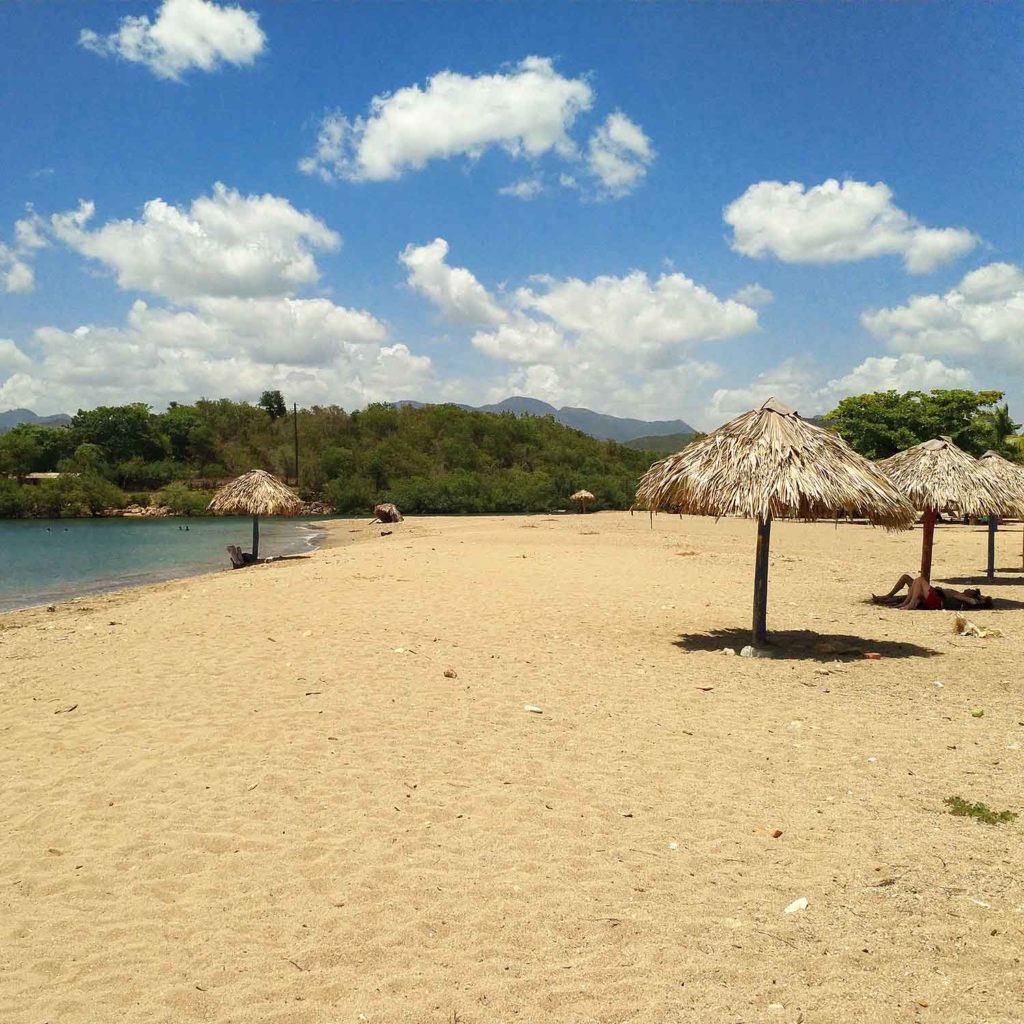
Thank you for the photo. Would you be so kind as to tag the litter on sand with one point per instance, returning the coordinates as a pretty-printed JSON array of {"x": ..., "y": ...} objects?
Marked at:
[{"x": 964, "y": 627}]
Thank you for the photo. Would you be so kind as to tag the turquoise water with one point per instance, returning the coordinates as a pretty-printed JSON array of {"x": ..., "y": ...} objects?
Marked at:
[{"x": 46, "y": 561}]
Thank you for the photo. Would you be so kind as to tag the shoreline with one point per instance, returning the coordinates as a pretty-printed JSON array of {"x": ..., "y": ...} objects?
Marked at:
[{"x": 155, "y": 576}]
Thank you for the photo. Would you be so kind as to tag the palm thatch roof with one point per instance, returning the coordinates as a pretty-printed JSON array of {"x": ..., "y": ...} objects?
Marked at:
[
  {"x": 581, "y": 496},
  {"x": 256, "y": 493},
  {"x": 771, "y": 464},
  {"x": 937, "y": 476},
  {"x": 1006, "y": 478}
]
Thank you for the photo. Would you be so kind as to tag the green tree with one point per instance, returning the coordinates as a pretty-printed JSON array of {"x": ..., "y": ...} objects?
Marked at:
[
  {"x": 879, "y": 425},
  {"x": 272, "y": 403},
  {"x": 123, "y": 432}
]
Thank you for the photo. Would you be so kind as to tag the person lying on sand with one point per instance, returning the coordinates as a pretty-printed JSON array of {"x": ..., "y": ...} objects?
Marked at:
[{"x": 922, "y": 595}]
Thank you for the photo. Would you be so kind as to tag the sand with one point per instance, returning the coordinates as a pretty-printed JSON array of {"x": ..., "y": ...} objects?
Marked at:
[{"x": 258, "y": 796}]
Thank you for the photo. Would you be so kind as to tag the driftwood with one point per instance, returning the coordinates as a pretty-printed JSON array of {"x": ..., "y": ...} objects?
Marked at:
[{"x": 387, "y": 513}]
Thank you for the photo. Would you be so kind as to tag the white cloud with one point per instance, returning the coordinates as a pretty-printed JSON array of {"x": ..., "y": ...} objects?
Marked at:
[
  {"x": 800, "y": 384},
  {"x": 16, "y": 273},
  {"x": 522, "y": 340},
  {"x": 12, "y": 359},
  {"x": 316, "y": 352},
  {"x": 908, "y": 372},
  {"x": 619, "y": 154},
  {"x": 983, "y": 316},
  {"x": 186, "y": 34},
  {"x": 639, "y": 322},
  {"x": 453, "y": 290},
  {"x": 837, "y": 222},
  {"x": 754, "y": 295},
  {"x": 231, "y": 327},
  {"x": 524, "y": 188},
  {"x": 621, "y": 344},
  {"x": 526, "y": 111},
  {"x": 222, "y": 245}
]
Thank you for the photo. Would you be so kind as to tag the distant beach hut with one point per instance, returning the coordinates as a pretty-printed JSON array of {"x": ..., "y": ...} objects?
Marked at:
[
  {"x": 581, "y": 498},
  {"x": 255, "y": 494},
  {"x": 771, "y": 464},
  {"x": 937, "y": 476},
  {"x": 1008, "y": 479}
]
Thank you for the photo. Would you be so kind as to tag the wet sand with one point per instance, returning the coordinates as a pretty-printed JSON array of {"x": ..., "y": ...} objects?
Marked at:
[{"x": 310, "y": 791}]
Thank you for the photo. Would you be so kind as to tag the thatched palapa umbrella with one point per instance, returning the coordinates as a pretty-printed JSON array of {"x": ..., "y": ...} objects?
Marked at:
[
  {"x": 770, "y": 464},
  {"x": 581, "y": 498},
  {"x": 937, "y": 476},
  {"x": 1008, "y": 479},
  {"x": 255, "y": 494}
]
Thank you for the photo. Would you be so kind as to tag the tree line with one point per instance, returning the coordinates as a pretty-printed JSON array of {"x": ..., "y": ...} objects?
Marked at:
[{"x": 435, "y": 459}]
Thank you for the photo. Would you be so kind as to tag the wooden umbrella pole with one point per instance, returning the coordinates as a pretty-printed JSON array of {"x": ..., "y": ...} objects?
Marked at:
[
  {"x": 930, "y": 516},
  {"x": 255, "y": 536},
  {"x": 764, "y": 534},
  {"x": 992, "y": 524}
]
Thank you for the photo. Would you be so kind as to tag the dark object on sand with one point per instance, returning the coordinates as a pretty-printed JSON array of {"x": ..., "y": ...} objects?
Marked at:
[{"x": 387, "y": 513}]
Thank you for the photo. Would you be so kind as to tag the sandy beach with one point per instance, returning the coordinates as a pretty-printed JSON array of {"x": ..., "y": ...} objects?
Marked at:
[{"x": 263, "y": 797}]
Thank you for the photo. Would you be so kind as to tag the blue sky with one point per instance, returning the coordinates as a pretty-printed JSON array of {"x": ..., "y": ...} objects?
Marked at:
[{"x": 206, "y": 200}]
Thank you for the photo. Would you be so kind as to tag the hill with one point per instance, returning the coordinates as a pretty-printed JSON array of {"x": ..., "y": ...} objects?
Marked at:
[
  {"x": 597, "y": 424},
  {"x": 431, "y": 459},
  {"x": 13, "y": 417},
  {"x": 663, "y": 444}
]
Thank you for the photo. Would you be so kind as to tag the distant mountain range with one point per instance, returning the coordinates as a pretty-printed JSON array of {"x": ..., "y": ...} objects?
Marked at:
[
  {"x": 596, "y": 424},
  {"x": 13, "y": 417}
]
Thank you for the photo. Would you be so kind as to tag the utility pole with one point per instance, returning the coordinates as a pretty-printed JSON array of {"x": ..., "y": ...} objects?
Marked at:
[{"x": 295, "y": 423}]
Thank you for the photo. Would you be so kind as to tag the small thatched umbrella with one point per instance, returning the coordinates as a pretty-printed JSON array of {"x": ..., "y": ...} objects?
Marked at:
[
  {"x": 581, "y": 498},
  {"x": 1007, "y": 479},
  {"x": 770, "y": 464},
  {"x": 937, "y": 476},
  {"x": 256, "y": 494}
]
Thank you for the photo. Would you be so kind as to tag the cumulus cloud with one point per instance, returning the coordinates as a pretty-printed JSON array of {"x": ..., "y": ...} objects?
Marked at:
[
  {"x": 837, "y": 222},
  {"x": 619, "y": 343},
  {"x": 799, "y": 383},
  {"x": 12, "y": 359},
  {"x": 619, "y": 154},
  {"x": 223, "y": 244},
  {"x": 637, "y": 321},
  {"x": 186, "y": 35},
  {"x": 234, "y": 348},
  {"x": 457, "y": 294},
  {"x": 524, "y": 188},
  {"x": 526, "y": 111},
  {"x": 16, "y": 272},
  {"x": 982, "y": 316},
  {"x": 754, "y": 295},
  {"x": 230, "y": 326}
]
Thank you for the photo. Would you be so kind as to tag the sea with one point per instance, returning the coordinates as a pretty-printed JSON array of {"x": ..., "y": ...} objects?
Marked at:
[{"x": 46, "y": 561}]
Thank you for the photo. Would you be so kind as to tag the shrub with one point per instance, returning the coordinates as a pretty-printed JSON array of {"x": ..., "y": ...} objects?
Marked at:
[
  {"x": 13, "y": 502},
  {"x": 182, "y": 501},
  {"x": 72, "y": 495}
]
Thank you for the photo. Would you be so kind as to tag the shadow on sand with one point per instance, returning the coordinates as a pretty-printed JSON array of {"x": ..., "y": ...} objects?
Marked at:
[
  {"x": 803, "y": 645},
  {"x": 981, "y": 580}
]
